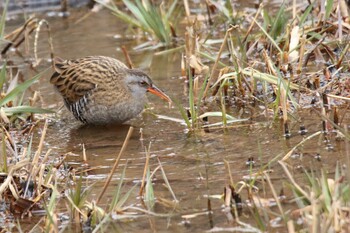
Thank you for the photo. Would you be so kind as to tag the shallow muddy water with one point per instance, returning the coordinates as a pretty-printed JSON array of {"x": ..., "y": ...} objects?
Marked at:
[{"x": 193, "y": 162}]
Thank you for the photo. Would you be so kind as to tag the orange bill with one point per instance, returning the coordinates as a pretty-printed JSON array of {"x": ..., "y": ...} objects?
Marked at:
[{"x": 156, "y": 91}]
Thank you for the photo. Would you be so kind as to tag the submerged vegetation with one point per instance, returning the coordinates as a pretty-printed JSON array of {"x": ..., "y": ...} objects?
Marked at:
[{"x": 265, "y": 65}]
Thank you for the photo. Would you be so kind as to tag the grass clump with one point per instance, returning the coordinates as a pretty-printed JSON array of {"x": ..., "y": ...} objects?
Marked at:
[
  {"x": 266, "y": 65},
  {"x": 323, "y": 202},
  {"x": 146, "y": 15},
  {"x": 14, "y": 95},
  {"x": 13, "y": 106},
  {"x": 320, "y": 204}
]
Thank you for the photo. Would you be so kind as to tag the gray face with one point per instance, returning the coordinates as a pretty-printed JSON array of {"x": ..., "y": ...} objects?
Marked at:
[{"x": 138, "y": 83}]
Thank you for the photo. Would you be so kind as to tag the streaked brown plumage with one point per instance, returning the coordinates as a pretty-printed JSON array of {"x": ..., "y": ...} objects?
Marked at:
[{"x": 102, "y": 90}]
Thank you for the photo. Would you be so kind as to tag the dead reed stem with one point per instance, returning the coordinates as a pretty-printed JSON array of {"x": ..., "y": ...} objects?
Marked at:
[
  {"x": 253, "y": 22},
  {"x": 42, "y": 170},
  {"x": 127, "y": 57},
  {"x": 217, "y": 60},
  {"x": 145, "y": 170},
  {"x": 294, "y": 9},
  {"x": 17, "y": 33},
  {"x": 187, "y": 10},
  {"x": 290, "y": 226},
  {"x": 35, "y": 160},
  {"x": 227, "y": 166},
  {"x": 227, "y": 200},
  {"x": 315, "y": 227},
  {"x": 299, "y": 144},
  {"x": 267, "y": 177},
  {"x": 301, "y": 54},
  {"x": 84, "y": 154},
  {"x": 167, "y": 181},
  {"x": 36, "y": 38},
  {"x": 295, "y": 184},
  {"x": 115, "y": 164},
  {"x": 12, "y": 169}
]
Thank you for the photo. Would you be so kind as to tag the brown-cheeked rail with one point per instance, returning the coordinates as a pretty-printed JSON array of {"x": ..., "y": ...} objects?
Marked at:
[{"x": 102, "y": 90}]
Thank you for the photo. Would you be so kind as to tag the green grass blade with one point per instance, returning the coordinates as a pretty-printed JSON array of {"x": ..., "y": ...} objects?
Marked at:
[
  {"x": 269, "y": 37},
  {"x": 136, "y": 11},
  {"x": 191, "y": 101},
  {"x": 147, "y": 16},
  {"x": 256, "y": 75},
  {"x": 3, "y": 19},
  {"x": 149, "y": 192},
  {"x": 125, "y": 17},
  {"x": 211, "y": 58},
  {"x": 171, "y": 10},
  {"x": 279, "y": 22},
  {"x": 4, "y": 157},
  {"x": 153, "y": 19},
  {"x": 25, "y": 109},
  {"x": 20, "y": 88},
  {"x": 2, "y": 75},
  {"x": 326, "y": 193},
  {"x": 267, "y": 19},
  {"x": 120, "y": 14},
  {"x": 227, "y": 123},
  {"x": 165, "y": 178},
  {"x": 337, "y": 176},
  {"x": 50, "y": 223},
  {"x": 217, "y": 114},
  {"x": 29, "y": 148},
  {"x": 201, "y": 91},
  {"x": 118, "y": 190},
  {"x": 20, "y": 100},
  {"x": 329, "y": 7},
  {"x": 76, "y": 193},
  {"x": 122, "y": 201},
  {"x": 306, "y": 14},
  {"x": 183, "y": 114}
]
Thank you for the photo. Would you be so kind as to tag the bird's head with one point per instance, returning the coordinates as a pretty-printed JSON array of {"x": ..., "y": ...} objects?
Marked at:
[{"x": 139, "y": 83}]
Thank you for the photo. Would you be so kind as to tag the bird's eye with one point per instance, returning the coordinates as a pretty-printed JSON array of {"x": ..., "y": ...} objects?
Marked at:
[{"x": 143, "y": 83}]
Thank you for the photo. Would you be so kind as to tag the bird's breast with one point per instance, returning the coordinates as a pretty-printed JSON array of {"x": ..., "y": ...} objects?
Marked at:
[{"x": 110, "y": 110}]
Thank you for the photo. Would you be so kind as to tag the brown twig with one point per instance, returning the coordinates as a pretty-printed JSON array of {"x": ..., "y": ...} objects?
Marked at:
[
  {"x": 217, "y": 60},
  {"x": 127, "y": 57},
  {"x": 308, "y": 54},
  {"x": 253, "y": 22},
  {"x": 35, "y": 161},
  {"x": 115, "y": 164},
  {"x": 17, "y": 35}
]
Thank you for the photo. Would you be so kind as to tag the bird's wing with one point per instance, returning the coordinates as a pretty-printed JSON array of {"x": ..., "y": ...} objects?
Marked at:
[{"x": 73, "y": 78}]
